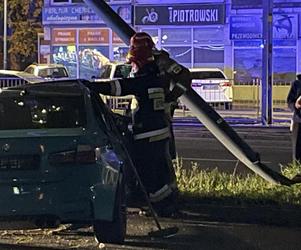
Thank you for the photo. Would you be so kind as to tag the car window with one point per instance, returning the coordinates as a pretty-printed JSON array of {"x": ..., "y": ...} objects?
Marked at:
[
  {"x": 29, "y": 70},
  {"x": 122, "y": 71},
  {"x": 53, "y": 72},
  {"x": 35, "y": 112},
  {"x": 105, "y": 71},
  {"x": 207, "y": 75}
]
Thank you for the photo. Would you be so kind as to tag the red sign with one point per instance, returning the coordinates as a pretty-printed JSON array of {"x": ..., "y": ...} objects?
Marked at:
[
  {"x": 94, "y": 36},
  {"x": 116, "y": 39},
  {"x": 63, "y": 36}
]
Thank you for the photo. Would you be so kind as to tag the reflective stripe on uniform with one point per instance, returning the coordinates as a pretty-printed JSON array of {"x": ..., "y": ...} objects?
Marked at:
[
  {"x": 174, "y": 68},
  {"x": 181, "y": 86},
  {"x": 162, "y": 193},
  {"x": 115, "y": 88},
  {"x": 159, "y": 137},
  {"x": 151, "y": 133},
  {"x": 155, "y": 90}
]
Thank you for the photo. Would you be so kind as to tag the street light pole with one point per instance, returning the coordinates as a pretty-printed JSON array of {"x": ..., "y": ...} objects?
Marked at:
[
  {"x": 267, "y": 64},
  {"x": 5, "y": 36}
]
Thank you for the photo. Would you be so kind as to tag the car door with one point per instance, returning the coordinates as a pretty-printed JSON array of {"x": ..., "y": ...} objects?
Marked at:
[{"x": 113, "y": 151}]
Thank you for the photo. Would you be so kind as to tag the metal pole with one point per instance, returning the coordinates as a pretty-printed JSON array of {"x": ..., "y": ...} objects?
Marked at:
[
  {"x": 5, "y": 35},
  {"x": 267, "y": 63}
]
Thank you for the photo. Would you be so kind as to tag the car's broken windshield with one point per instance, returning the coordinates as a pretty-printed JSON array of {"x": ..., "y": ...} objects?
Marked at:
[{"x": 34, "y": 112}]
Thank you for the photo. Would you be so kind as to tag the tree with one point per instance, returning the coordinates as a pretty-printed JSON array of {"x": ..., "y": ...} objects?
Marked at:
[{"x": 24, "y": 22}]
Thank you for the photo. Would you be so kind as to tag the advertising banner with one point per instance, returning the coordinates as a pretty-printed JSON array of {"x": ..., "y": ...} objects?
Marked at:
[
  {"x": 197, "y": 14},
  {"x": 94, "y": 36},
  {"x": 250, "y": 27},
  {"x": 63, "y": 36},
  {"x": 116, "y": 39},
  {"x": 80, "y": 14}
]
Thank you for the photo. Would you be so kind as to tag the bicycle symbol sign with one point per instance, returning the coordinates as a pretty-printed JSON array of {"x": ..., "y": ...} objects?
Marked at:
[{"x": 151, "y": 16}]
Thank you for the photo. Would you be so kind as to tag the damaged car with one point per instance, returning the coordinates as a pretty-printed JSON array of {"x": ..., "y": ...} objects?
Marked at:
[{"x": 62, "y": 160}]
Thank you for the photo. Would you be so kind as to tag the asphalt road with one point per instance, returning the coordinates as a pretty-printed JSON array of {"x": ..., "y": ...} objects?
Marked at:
[
  {"x": 196, "y": 144},
  {"x": 208, "y": 228}
]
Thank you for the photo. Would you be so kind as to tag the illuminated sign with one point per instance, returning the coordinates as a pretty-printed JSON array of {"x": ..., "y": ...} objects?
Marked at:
[
  {"x": 180, "y": 14},
  {"x": 63, "y": 36},
  {"x": 94, "y": 36},
  {"x": 250, "y": 27},
  {"x": 79, "y": 14}
]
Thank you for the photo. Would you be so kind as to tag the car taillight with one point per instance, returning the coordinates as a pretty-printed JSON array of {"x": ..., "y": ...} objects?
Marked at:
[
  {"x": 84, "y": 154},
  {"x": 225, "y": 84}
]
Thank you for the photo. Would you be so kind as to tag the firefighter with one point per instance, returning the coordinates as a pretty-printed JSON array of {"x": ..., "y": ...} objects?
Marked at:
[
  {"x": 177, "y": 80},
  {"x": 294, "y": 103},
  {"x": 150, "y": 126}
]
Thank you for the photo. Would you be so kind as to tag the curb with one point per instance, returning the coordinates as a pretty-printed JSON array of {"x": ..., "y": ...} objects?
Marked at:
[{"x": 250, "y": 214}]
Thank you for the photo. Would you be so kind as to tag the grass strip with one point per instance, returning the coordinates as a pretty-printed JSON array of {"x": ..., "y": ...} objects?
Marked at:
[{"x": 213, "y": 186}]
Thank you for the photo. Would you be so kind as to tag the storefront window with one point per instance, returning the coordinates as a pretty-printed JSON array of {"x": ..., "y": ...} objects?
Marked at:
[
  {"x": 209, "y": 56},
  {"x": 247, "y": 65},
  {"x": 284, "y": 65},
  {"x": 65, "y": 55},
  {"x": 208, "y": 35},
  {"x": 91, "y": 59},
  {"x": 175, "y": 36},
  {"x": 180, "y": 54}
]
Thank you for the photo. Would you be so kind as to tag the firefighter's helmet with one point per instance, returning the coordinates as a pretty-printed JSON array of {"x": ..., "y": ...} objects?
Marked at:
[{"x": 141, "y": 49}]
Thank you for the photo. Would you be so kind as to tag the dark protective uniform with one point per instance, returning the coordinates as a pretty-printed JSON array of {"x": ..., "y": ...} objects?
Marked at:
[
  {"x": 178, "y": 80},
  {"x": 293, "y": 95},
  {"x": 150, "y": 131}
]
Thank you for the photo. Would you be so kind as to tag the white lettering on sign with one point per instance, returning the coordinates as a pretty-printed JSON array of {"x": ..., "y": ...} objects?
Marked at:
[
  {"x": 246, "y": 36},
  {"x": 195, "y": 15}
]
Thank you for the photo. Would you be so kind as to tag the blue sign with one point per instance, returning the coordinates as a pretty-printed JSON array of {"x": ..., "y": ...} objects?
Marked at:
[
  {"x": 252, "y": 4},
  {"x": 197, "y": 14},
  {"x": 245, "y": 27},
  {"x": 79, "y": 14},
  {"x": 250, "y": 27}
]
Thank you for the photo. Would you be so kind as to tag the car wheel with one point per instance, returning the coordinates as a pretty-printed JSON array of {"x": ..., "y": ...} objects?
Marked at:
[{"x": 114, "y": 231}]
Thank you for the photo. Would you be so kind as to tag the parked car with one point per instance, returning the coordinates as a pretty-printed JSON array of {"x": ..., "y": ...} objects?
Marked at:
[
  {"x": 115, "y": 70},
  {"x": 212, "y": 85},
  {"x": 9, "y": 78},
  {"x": 48, "y": 70},
  {"x": 61, "y": 160}
]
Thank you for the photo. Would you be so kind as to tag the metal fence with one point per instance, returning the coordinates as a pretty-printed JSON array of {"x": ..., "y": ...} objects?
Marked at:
[
  {"x": 245, "y": 95},
  {"x": 10, "y": 82}
]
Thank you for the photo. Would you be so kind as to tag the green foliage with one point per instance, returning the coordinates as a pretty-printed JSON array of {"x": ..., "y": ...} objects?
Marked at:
[
  {"x": 211, "y": 185},
  {"x": 24, "y": 19}
]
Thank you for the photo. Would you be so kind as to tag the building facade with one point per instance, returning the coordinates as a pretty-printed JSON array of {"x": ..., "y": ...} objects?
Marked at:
[{"x": 200, "y": 33}]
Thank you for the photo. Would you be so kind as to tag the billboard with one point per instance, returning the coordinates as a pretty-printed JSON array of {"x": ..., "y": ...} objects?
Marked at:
[
  {"x": 197, "y": 14},
  {"x": 250, "y": 27},
  {"x": 80, "y": 14}
]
